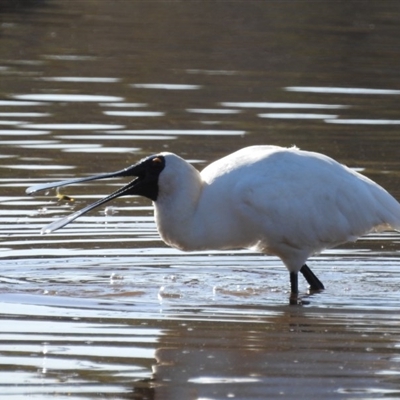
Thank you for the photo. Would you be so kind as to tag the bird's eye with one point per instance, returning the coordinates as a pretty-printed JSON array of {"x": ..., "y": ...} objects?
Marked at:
[{"x": 157, "y": 160}]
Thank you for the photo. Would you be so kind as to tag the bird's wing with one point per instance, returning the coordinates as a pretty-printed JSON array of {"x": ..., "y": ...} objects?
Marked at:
[{"x": 314, "y": 202}]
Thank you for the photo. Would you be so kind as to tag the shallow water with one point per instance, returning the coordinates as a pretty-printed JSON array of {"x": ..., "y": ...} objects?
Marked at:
[{"x": 103, "y": 308}]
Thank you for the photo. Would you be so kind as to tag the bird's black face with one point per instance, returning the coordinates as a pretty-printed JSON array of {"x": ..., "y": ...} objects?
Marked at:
[{"x": 146, "y": 171}]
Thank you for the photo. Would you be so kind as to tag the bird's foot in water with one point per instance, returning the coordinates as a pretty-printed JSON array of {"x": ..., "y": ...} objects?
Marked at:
[
  {"x": 296, "y": 300},
  {"x": 316, "y": 285},
  {"x": 314, "y": 290}
]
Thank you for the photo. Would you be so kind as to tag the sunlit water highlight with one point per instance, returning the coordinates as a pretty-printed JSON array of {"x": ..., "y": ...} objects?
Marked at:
[{"x": 103, "y": 307}]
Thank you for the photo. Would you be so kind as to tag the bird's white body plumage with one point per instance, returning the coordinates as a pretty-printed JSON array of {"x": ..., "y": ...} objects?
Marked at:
[{"x": 280, "y": 201}]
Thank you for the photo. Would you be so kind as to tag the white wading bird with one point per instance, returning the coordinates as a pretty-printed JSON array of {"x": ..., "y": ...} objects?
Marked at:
[{"x": 281, "y": 201}]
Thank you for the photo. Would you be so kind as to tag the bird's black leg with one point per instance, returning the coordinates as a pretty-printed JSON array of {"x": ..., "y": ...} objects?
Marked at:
[
  {"x": 313, "y": 281},
  {"x": 294, "y": 288},
  {"x": 294, "y": 283}
]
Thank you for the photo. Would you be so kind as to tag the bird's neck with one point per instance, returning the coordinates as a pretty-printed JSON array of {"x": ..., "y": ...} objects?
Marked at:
[{"x": 176, "y": 206}]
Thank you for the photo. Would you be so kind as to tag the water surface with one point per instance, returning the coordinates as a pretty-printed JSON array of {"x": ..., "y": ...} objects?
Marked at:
[{"x": 103, "y": 308}]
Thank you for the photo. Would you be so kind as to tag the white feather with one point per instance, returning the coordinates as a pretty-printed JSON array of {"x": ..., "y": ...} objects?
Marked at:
[{"x": 280, "y": 201}]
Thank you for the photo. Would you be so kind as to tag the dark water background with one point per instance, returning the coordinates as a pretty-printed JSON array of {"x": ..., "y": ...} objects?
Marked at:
[{"x": 103, "y": 309}]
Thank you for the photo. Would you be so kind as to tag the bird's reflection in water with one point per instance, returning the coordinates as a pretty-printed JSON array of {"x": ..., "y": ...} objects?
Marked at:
[{"x": 292, "y": 352}]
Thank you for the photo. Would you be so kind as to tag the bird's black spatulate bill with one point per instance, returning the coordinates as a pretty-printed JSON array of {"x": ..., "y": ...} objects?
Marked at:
[
  {"x": 145, "y": 184},
  {"x": 52, "y": 185},
  {"x": 65, "y": 221},
  {"x": 60, "y": 223}
]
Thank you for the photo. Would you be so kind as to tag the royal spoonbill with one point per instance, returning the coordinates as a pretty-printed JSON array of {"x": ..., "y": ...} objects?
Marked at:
[{"x": 280, "y": 201}]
